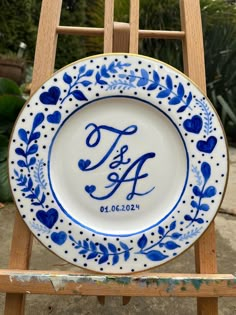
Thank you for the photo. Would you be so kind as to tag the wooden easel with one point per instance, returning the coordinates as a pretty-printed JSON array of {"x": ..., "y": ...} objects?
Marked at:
[{"x": 18, "y": 280}]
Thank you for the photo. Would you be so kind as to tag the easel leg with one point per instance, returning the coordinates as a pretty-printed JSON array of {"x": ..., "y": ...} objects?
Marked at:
[{"x": 19, "y": 259}]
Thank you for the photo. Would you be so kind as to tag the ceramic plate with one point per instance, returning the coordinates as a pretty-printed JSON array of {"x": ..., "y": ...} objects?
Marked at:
[{"x": 118, "y": 163}]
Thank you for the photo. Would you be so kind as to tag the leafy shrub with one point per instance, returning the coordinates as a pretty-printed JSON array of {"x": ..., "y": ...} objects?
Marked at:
[{"x": 11, "y": 102}]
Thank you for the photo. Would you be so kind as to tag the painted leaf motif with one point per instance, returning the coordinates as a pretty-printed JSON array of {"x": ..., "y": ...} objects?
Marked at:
[
  {"x": 33, "y": 149},
  {"x": 194, "y": 204},
  {"x": 85, "y": 83},
  {"x": 67, "y": 78},
  {"x": 103, "y": 259},
  {"x": 156, "y": 77},
  {"x": 171, "y": 245},
  {"x": 30, "y": 196},
  {"x": 122, "y": 76},
  {"x": 37, "y": 191},
  {"x": 181, "y": 109},
  {"x": 16, "y": 173},
  {"x": 155, "y": 255},
  {"x": 36, "y": 203},
  {"x": 85, "y": 245},
  {"x": 132, "y": 76},
  {"x": 209, "y": 192},
  {"x": 34, "y": 136},
  {"x": 43, "y": 198},
  {"x": 206, "y": 170},
  {"x": 187, "y": 217},
  {"x": 174, "y": 100},
  {"x": 124, "y": 246},
  {"x": 23, "y": 135},
  {"x": 142, "y": 242},
  {"x": 175, "y": 235},
  {"x": 152, "y": 86},
  {"x": 92, "y": 255},
  {"x": 82, "y": 69},
  {"x": 204, "y": 207},
  {"x": 32, "y": 161},
  {"x": 180, "y": 90},
  {"x": 23, "y": 181},
  {"x": 111, "y": 67},
  {"x": 144, "y": 78},
  {"x": 38, "y": 119},
  {"x": 20, "y": 151},
  {"x": 112, "y": 247},
  {"x": 161, "y": 230},
  {"x": 30, "y": 184},
  {"x": 164, "y": 93},
  {"x": 126, "y": 255},
  {"x": 104, "y": 72},
  {"x": 189, "y": 99},
  {"x": 103, "y": 249},
  {"x": 197, "y": 192},
  {"x": 173, "y": 225},
  {"x": 88, "y": 73},
  {"x": 79, "y": 95},
  {"x": 169, "y": 83},
  {"x": 115, "y": 260},
  {"x": 72, "y": 238},
  {"x": 92, "y": 246},
  {"x": 98, "y": 79},
  {"x": 21, "y": 163},
  {"x": 199, "y": 220}
]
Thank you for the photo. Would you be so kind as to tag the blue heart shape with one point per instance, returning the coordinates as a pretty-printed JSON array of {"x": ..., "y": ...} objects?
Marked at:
[
  {"x": 59, "y": 237},
  {"x": 193, "y": 125},
  {"x": 54, "y": 118},
  {"x": 208, "y": 145},
  {"x": 83, "y": 164},
  {"x": 51, "y": 97},
  {"x": 47, "y": 218},
  {"x": 90, "y": 189}
]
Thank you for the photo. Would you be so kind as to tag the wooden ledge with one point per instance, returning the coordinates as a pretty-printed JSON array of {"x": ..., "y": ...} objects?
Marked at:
[{"x": 150, "y": 284}]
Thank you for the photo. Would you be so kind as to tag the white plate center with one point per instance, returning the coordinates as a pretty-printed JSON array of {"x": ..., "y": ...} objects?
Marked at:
[{"x": 118, "y": 166}]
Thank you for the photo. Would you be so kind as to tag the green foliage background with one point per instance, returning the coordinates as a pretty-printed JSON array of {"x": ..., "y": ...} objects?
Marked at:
[{"x": 19, "y": 21}]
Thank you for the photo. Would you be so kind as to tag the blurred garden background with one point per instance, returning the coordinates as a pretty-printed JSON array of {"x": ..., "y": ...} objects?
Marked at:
[{"x": 18, "y": 32}]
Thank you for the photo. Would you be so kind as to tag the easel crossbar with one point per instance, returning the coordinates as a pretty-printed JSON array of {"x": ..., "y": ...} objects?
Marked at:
[
  {"x": 153, "y": 284},
  {"x": 96, "y": 31}
]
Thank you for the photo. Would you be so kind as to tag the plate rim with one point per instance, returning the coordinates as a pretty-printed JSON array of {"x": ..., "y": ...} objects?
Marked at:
[{"x": 155, "y": 61}]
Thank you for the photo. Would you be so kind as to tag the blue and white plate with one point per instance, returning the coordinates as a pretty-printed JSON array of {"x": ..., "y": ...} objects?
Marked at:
[{"x": 118, "y": 163}]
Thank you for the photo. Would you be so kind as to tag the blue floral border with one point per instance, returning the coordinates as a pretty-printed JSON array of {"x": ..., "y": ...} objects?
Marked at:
[{"x": 29, "y": 171}]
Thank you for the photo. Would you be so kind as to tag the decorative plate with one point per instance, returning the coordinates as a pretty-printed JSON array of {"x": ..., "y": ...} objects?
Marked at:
[{"x": 118, "y": 163}]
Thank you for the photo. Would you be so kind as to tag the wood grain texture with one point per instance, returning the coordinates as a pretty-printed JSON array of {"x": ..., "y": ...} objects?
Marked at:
[
  {"x": 83, "y": 31},
  {"x": 96, "y": 31},
  {"x": 134, "y": 26},
  {"x": 205, "y": 261},
  {"x": 46, "y": 44},
  {"x": 161, "y": 34},
  {"x": 19, "y": 259},
  {"x": 108, "y": 26},
  {"x": 43, "y": 68},
  {"x": 193, "y": 50},
  {"x": 121, "y": 37},
  {"x": 148, "y": 284},
  {"x": 194, "y": 67}
]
